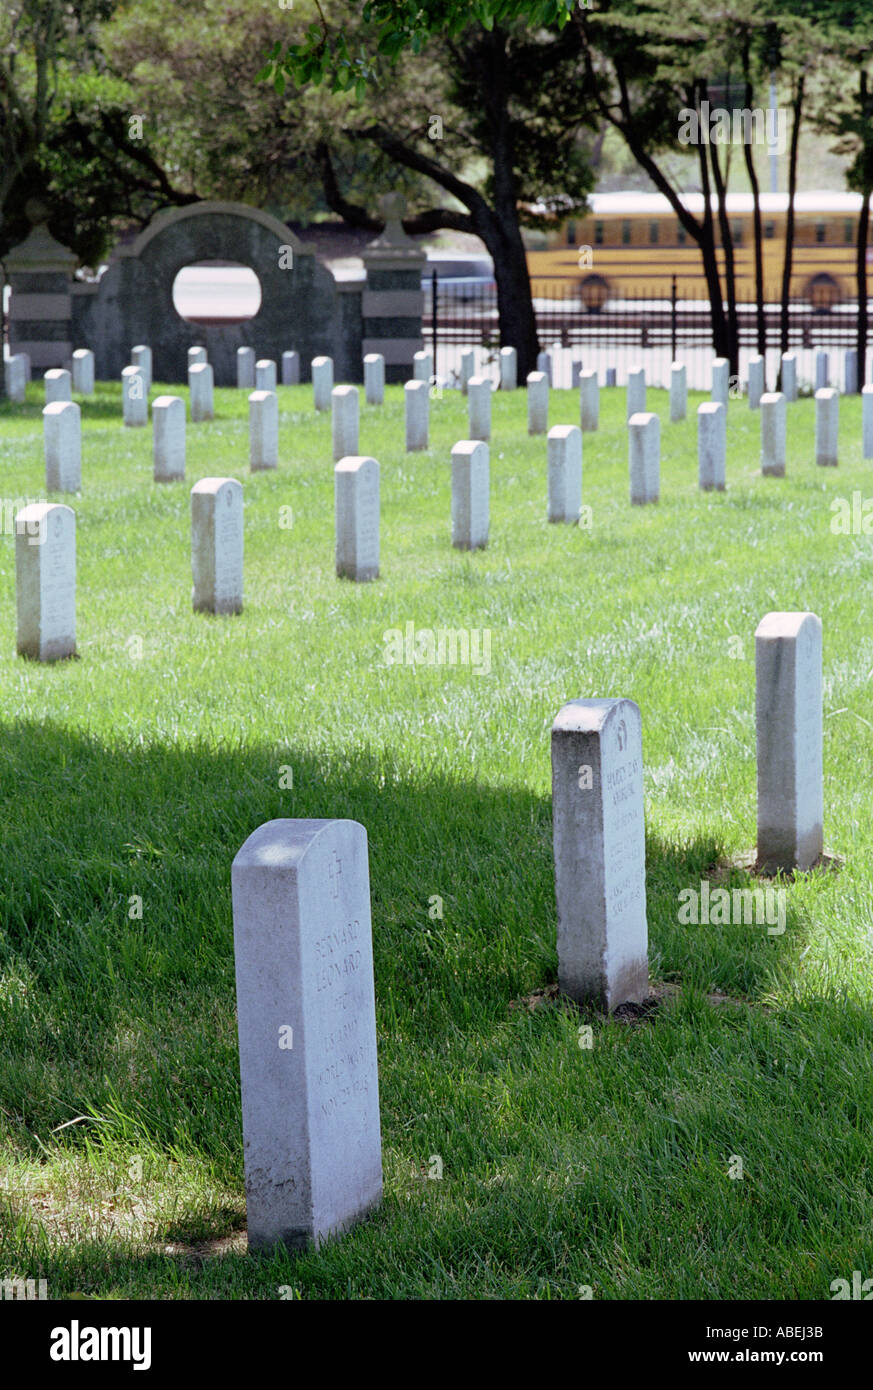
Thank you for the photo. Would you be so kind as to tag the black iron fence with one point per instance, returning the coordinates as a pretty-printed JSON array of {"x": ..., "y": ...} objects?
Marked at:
[{"x": 641, "y": 326}]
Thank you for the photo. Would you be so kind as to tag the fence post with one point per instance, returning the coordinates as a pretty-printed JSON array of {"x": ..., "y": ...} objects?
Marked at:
[
  {"x": 433, "y": 287},
  {"x": 673, "y": 325}
]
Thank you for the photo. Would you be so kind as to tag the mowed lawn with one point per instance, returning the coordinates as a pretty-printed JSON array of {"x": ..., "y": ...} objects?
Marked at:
[{"x": 138, "y": 770}]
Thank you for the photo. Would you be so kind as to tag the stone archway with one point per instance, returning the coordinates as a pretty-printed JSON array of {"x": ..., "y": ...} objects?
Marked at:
[{"x": 301, "y": 304}]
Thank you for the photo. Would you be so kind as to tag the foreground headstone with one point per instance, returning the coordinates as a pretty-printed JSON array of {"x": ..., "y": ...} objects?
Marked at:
[
  {"x": 416, "y": 395},
  {"x": 58, "y": 385},
  {"x": 821, "y": 369},
  {"x": 720, "y": 380},
  {"x": 479, "y": 408},
  {"x": 756, "y": 381},
  {"x": 789, "y": 376},
  {"x": 45, "y": 581},
  {"x": 470, "y": 495},
  {"x": 245, "y": 368},
  {"x": 589, "y": 402},
  {"x": 773, "y": 434},
  {"x": 564, "y": 448},
  {"x": 62, "y": 435},
  {"x": 600, "y": 852},
  {"x": 322, "y": 382},
  {"x": 168, "y": 439},
  {"x": 827, "y": 422},
  {"x": 788, "y": 714},
  {"x": 850, "y": 368},
  {"x": 636, "y": 391},
  {"x": 265, "y": 374},
  {"x": 610, "y": 376},
  {"x": 644, "y": 443},
  {"x": 307, "y": 1031},
  {"x": 196, "y": 356},
  {"x": 217, "y": 545},
  {"x": 263, "y": 430},
  {"x": 200, "y": 384},
  {"x": 374, "y": 378},
  {"x": 468, "y": 368},
  {"x": 83, "y": 371},
  {"x": 422, "y": 366},
  {"x": 508, "y": 369},
  {"x": 537, "y": 403},
  {"x": 678, "y": 392},
  {"x": 134, "y": 397},
  {"x": 711, "y": 445},
  {"x": 356, "y": 510},
  {"x": 291, "y": 368},
  {"x": 867, "y": 421},
  {"x": 141, "y": 356},
  {"x": 344, "y": 421},
  {"x": 16, "y": 378}
]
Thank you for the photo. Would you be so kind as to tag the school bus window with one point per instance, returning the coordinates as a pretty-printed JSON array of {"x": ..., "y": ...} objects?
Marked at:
[
  {"x": 571, "y": 233},
  {"x": 625, "y": 233},
  {"x": 820, "y": 232},
  {"x": 848, "y": 231},
  {"x": 598, "y": 233},
  {"x": 653, "y": 233},
  {"x": 681, "y": 234},
  {"x": 769, "y": 231},
  {"x": 737, "y": 233}
]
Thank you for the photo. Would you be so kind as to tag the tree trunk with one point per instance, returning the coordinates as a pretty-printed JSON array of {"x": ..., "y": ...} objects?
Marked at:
[
  {"x": 796, "y": 112},
  {"x": 733, "y": 345},
  {"x": 761, "y": 320},
  {"x": 861, "y": 263}
]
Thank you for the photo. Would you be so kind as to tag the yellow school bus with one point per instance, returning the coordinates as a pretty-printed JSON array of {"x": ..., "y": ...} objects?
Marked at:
[{"x": 633, "y": 243}]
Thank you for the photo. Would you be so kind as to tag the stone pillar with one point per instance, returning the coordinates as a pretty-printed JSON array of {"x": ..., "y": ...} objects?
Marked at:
[
  {"x": 393, "y": 301},
  {"x": 40, "y": 273}
]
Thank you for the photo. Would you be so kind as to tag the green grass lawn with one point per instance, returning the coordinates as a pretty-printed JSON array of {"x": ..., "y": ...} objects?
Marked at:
[{"x": 138, "y": 770}]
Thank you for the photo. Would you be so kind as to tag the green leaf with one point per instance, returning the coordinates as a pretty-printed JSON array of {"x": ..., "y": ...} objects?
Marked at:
[
  {"x": 276, "y": 49},
  {"x": 264, "y": 73},
  {"x": 361, "y": 88},
  {"x": 279, "y": 83}
]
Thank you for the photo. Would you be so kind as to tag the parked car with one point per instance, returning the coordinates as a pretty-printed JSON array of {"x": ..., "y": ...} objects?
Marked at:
[{"x": 466, "y": 277}]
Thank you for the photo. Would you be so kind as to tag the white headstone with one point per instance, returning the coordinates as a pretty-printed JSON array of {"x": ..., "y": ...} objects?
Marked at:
[
  {"x": 470, "y": 495},
  {"x": 479, "y": 408},
  {"x": 217, "y": 545},
  {"x": 168, "y": 438},
  {"x": 322, "y": 381},
  {"x": 196, "y": 356},
  {"x": 564, "y": 448},
  {"x": 827, "y": 421},
  {"x": 344, "y": 421},
  {"x": 307, "y": 1031},
  {"x": 544, "y": 364},
  {"x": 265, "y": 374},
  {"x": 200, "y": 388},
  {"x": 575, "y": 373},
  {"x": 644, "y": 442},
  {"x": 16, "y": 378},
  {"x": 62, "y": 434},
  {"x": 537, "y": 403},
  {"x": 720, "y": 380},
  {"x": 83, "y": 371},
  {"x": 45, "y": 581},
  {"x": 422, "y": 366},
  {"x": 610, "y": 376},
  {"x": 245, "y": 368},
  {"x": 600, "y": 852},
  {"x": 356, "y": 508},
  {"x": 589, "y": 401},
  {"x": 417, "y": 397},
  {"x": 263, "y": 430},
  {"x": 58, "y": 385},
  {"x": 756, "y": 381},
  {"x": 25, "y": 356},
  {"x": 851, "y": 372},
  {"x": 711, "y": 445},
  {"x": 636, "y": 391},
  {"x": 374, "y": 378},
  {"x": 508, "y": 369},
  {"x": 821, "y": 369},
  {"x": 468, "y": 368},
  {"x": 291, "y": 368},
  {"x": 773, "y": 434},
  {"x": 788, "y": 714},
  {"x": 141, "y": 356},
  {"x": 134, "y": 397},
  {"x": 789, "y": 376},
  {"x": 678, "y": 392},
  {"x": 867, "y": 421}
]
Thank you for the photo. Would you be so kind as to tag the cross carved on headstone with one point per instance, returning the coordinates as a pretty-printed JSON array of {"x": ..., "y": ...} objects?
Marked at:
[{"x": 334, "y": 873}]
